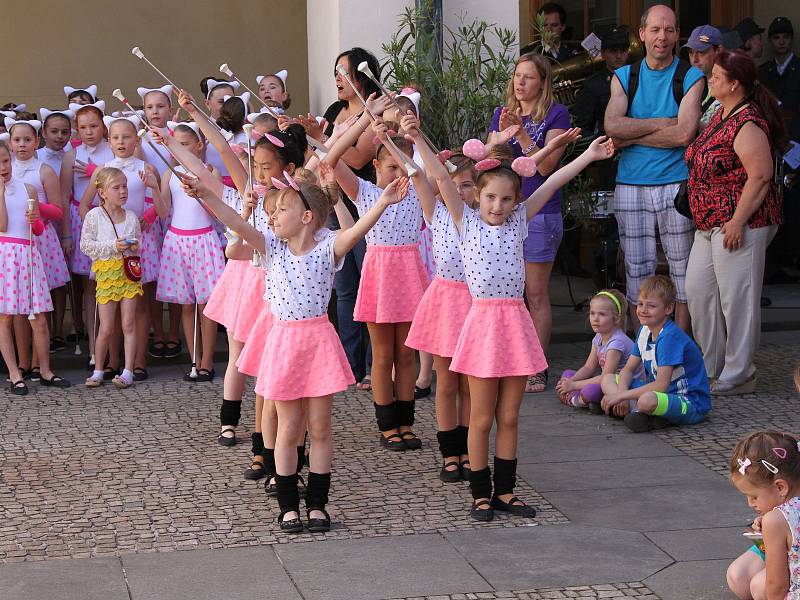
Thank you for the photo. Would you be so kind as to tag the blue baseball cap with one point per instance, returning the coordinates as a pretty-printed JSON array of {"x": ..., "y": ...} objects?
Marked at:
[{"x": 703, "y": 38}]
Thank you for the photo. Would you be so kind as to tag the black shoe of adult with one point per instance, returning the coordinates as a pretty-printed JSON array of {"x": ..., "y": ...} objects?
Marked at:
[
  {"x": 411, "y": 441},
  {"x": 57, "y": 344},
  {"x": 421, "y": 392},
  {"x": 393, "y": 442},
  {"x": 224, "y": 440},
  {"x": 290, "y": 525},
  {"x": 450, "y": 476},
  {"x": 109, "y": 373},
  {"x": 172, "y": 349},
  {"x": 481, "y": 514},
  {"x": 638, "y": 422},
  {"x": 140, "y": 374},
  {"x": 55, "y": 381},
  {"x": 319, "y": 525},
  {"x": 515, "y": 506},
  {"x": 156, "y": 349}
]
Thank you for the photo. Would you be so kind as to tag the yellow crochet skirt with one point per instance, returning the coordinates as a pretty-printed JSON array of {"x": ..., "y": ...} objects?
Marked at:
[{"x": 112, "y": 284}]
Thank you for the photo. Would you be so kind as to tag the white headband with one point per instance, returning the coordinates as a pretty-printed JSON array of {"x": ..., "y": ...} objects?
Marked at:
[
  {"x": 282, "y": 75},
  {"x": 9, "y": 123},
  {"x": 99, "y": 105},
  {"x": 44, "y": 113},
  {"x": 133, "y": 119},
  {"x": 173, "y": 125},
  {"x": 164, "y": 89},
  {"x": 212, "y": 84},
  {"x": 251, "y": 118},
  {"x": 245, "y": 98},
  {"x": 92, "y": 90},
  {"x": 19, "y": 108}
]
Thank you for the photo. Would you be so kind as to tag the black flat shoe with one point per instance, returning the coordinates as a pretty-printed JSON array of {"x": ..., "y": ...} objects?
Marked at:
[
  {"x": 639, "y": 422},
  {"x": 255, "y": 471},
  {"x": 18, "y": 388},
  {"x": 448, "y": 476},
  {"x": 156, "y": 349},
  {"x": 319, "y": 525},
  {"x": 421, "y": 392},
  {"x": 393, "y": 442},
  {"x": 224, "y": 440},
  {"x": 270, "y": 487},
  {"x": 35, "y": 374},
  {"x": 515, "y": 506},
  {"x": 481, "y": 514},
  {"x": 109, "y": 373},
  {"x": 23, "y": 373},
  {"x": 205, "y": 375},
  {"x": 464, "y": 469},
  {"x": 140, "y": 374},
  {"x": 411, "y": 441},
  {"x": 172, "y": 349},
  {"x": 55, "y": 381},
  {"x": 290, "y": 525}
]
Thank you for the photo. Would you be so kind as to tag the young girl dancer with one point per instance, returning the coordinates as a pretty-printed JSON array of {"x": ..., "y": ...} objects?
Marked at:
[
  {"x": 497, "y": 347},
  {"x": 76, "y": 171},
  {"x": 272, "y": 89},
  {"x": 302, "y": 257},
  {"x": 393, "y": 280},
  {"x": 765, "y": 467},
  {"x": 23, "y": 284},
  {"x": 109, "y": 232},
  {"x": 611, "y": 347}
]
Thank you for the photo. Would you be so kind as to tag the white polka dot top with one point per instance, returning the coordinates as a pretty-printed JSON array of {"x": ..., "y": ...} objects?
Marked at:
[
  {"x": 399, "y": 224},
  {"x": 299, "y": 287},
  {"x": 232, "y": 198},
  {"x": 446, "y": 249},
  {"x": 187, "y": 212},
  {"x": 493, "y": 263}
]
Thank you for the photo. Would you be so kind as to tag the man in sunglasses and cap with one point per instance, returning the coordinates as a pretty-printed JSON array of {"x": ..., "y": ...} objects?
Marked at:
[{"x": 781, "y": 75}]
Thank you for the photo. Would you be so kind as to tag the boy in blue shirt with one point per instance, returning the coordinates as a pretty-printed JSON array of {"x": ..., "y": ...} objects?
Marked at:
[{"x": 676, "y": 388}]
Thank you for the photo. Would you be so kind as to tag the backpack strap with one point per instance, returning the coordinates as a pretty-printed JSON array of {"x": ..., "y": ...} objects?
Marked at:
[
  {"x": 633, "y": 84},
  {"x": 677, "y": 80}
]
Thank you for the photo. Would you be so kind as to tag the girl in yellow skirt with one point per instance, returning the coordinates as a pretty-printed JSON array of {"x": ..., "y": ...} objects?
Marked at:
[{"x": 109, "y": 233}]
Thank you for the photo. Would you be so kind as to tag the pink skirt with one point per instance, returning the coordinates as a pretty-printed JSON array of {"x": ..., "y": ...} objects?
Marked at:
[
  {"x": 191, "y": 265},
  {"x": 253, "y": 354},
  {"x": 55, "y": 265},
  {"x": 306, "y": 360},
  {"x": 393, "y": 280},
  {"x": 150, "y": 252},
  {"x": 18, "y": 285},
  {"x": 251, "y": 299},
  {"x": 80, "y": 264},
  {"x": 440, "y": 317},
  {"x": 223, "y": 303},
  {"x": 498, "y": 340}
]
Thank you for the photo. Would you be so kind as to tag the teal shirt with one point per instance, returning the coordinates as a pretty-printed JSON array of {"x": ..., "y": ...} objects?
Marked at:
[{"x": 643, "y": 165}]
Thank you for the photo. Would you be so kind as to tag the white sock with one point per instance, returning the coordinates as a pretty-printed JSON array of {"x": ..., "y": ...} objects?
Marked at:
[
  {"x": 126, "y": 376},
  {"x": 97, "y": 375}
]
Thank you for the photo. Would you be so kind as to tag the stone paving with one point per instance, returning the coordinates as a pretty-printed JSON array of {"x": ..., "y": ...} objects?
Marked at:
[{"x": 588, "y": 592}]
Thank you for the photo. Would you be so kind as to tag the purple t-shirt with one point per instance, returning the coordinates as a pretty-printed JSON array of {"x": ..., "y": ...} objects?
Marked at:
[
  {"x": 557, "y": 118},
  {"x": 620, "y": 342}
]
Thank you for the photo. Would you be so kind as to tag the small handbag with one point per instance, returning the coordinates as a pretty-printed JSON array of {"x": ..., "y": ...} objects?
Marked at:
[{"x": 132, "y": 265}]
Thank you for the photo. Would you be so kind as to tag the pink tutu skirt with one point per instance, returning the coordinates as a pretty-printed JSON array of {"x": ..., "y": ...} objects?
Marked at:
[
  {"x": 18, "y": 285},
  {"x": 55, "y": 265},
  {"x": 251, "y": 298},
  {"x": 393, "y": 280},
  {"x": 80, "y": 264},
  {"x": 192, "y": 262},
  {"x": 150, "y": 252},
  {"x": 253, "y": 354},
  {"x": 223, "y": 303},
  {"x": 498, "y": 340},
  {"x": 305, "y": 360},
  {"x": 440, "y": 317}
]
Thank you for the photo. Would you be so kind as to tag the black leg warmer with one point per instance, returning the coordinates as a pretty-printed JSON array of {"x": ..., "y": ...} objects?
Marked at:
[
  {"x": 385, "y": 416},
  {"x": 448, "y": 442},
  {"x": 230, "y": 412},
  {"x": 405, "y": 412},
  {"x": 319, "y": 484},
  {"x": 505, "y": 476},
  {"x": 288, "y": 495},
  {"x": 480, "y": 483},
  {"x": 258, "y": 443},
  {"x": 269, "y": 461},
  {"x": 463, "y": 432}
]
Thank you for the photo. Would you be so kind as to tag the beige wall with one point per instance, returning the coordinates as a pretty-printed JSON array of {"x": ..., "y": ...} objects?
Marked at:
[{"x": 253, "y": 36}]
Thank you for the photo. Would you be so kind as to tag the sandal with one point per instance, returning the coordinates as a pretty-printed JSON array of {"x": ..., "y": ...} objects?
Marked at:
[
  {"x": 318, "y": 525},
  {"x": 156, "y": 349},
  {"x": 172, "y": 349},
  {"x": 481, "y": 514},
  {"x": 224, "y": 439},
  {"x": 256, "y": 470},
  {"x": 18, "y": 388},
  {"x": 393, "y": 442},
  {"x": 35, "y": 374},
  {"x": 205, "y": 375},
  {"x": 140, "y": 374},
  {"x": 121, "y": 383},
  {"x": 54, "y": 381},
  {"x": 448, "y": 476},
  {"x": 515, "y": 506},
  {"x": 365, "y": 384},
  {"x": 411, "y": 440},
  {"x": 536, "y": 383},
  {"x": 290, "y": 525},
  {"x": 91, "y": 382}
]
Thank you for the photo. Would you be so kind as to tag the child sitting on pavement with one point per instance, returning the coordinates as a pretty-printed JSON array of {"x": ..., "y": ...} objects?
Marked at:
[{"x": 675, "y": 390}]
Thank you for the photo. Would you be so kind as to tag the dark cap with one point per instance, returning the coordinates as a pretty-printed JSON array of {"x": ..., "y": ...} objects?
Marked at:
[
  {"x": 618, "y": 37},
  {"x": 703, "y": 38},
  {"x": 747, "y": 28},
  {"x": 781, "y": 25}
]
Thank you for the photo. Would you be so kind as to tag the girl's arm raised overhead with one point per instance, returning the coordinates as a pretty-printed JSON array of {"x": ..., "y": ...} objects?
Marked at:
[
  {"x": 190, "y": 161},
  {"x": 600, "y": 149},
  {"x": 347, "y": 238},
  {"x": 327, "y": 180}
]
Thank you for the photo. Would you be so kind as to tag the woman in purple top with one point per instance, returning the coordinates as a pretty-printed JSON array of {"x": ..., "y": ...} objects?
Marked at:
[{"x": 530, "y": 104}]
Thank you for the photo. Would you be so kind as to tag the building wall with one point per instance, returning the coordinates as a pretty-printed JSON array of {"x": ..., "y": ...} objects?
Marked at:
[
  {"x": 253, "y": 36},
  {"x": 766, "y": 10}
]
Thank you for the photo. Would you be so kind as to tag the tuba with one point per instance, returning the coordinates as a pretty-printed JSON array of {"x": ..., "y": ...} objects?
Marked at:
[{"x": 568, "y": 76}]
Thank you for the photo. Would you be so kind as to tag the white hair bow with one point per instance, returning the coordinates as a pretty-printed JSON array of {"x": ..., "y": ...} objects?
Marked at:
[{"x": 92, "y": 90}]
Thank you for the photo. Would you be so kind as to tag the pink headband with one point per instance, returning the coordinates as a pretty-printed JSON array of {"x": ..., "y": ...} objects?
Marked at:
[
  {"x": 279, "y": 185},
  {"x": 477, "y": 151},
  {"x": 274, "y": 141}
]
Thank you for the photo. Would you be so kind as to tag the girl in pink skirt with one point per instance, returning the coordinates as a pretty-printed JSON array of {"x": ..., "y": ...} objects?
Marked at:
[
  {"x": 143, "y": 191},
  {"x": 393, "y": 279},
  {"x": 498, "y": 347},
  {"x": 192, "y": 258},
  {"x": 23, "y": 283},
  {"x": 307, "y": 362}
]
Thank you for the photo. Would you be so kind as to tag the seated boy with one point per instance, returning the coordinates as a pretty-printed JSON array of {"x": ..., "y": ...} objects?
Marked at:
[{"x": 675, "y": 390}]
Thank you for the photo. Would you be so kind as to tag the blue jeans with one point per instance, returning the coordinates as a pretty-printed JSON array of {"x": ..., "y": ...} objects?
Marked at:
[{"x": 352, "y": 333}]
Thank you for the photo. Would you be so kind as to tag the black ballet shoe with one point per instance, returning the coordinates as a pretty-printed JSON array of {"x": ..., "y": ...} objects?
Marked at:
[
  {"x": 255, "y": 471},
  {"x": 448, "y": 476},
  {"x": 481, "y": 514},
  {"x": 515, "y": 506},
  {"x": 319, "y": 525},
  {"x": 224, "y": 440},
  {"x": 421, "y": 392},
  {"x": 393, "y": 442},
  {"x": 464, "y": 469},
  {"x": 290, "y": 525},
  {"x": 411, "y": 441},
  {"x": 270, "y": 486}
]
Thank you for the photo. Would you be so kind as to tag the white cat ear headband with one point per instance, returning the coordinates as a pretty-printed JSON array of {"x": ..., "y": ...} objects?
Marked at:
[
  {"x": 44, "y": 113},
  {"x": 251, "y": 117},
  {"x": 99, "y": 105},
  {"x": 133, "y": 119},
  {"x": 173, "y": 125},
  {"x": 9, "y": 123},
  {"x": 91, "y": 90},
  {"x": 244, "y": 97},
  {"x": 282, "y": 75},
  {"x": 164, "y": 89},
  {"x": 477, "y": 151},
  {"x": 213, "y": 84},
  {"x": 411, "y": 94}
]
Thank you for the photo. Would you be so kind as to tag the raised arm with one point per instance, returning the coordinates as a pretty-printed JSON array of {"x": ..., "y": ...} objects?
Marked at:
[
  {"x": 618, "y": 125},
  {"x": 191, "y": 162},
  {"x": 327, "y": 179}
]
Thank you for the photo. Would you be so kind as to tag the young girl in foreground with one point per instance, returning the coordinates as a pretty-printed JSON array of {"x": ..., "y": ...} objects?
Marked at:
[
  {"x": 307, "y": 359},
  {"x": 765, "y": 467},
  {"x": 611, "y": 347},
  {"x": 498, "y": 347},
  {"x": 109, "y": 231}
]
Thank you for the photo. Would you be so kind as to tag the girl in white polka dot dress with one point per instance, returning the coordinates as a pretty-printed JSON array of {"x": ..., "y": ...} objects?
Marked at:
[
  {"x": 393, "y": 280},
  {"x": 498, "y": 347},
  {"x": 307, "y": 359}
]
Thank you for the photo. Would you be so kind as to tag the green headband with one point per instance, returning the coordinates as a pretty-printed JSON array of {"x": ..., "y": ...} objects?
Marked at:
[{"x": 613, "y": 298}]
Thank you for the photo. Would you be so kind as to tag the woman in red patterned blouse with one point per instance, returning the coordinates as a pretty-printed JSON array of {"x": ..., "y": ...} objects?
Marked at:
[{"x": 737, "y": 208}]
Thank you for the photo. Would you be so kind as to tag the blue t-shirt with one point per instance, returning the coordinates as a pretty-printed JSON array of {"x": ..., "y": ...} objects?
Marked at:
[
  {"x": 643, "y": 165},
  {"x": 673, "y": 348}
]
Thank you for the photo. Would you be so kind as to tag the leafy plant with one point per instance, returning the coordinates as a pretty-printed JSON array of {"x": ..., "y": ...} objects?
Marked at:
[{"x": 461, "y": 83}]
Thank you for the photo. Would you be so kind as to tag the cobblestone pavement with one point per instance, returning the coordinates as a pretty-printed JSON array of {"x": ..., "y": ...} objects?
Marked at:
[{"x": 615, "y": 590}]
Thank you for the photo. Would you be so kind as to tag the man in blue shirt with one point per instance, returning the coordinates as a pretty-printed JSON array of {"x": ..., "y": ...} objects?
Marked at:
[{"x": 653, "y": 129}]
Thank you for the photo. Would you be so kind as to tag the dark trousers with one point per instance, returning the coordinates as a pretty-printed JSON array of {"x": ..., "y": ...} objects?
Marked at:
[{"x": 352, "y": 333}]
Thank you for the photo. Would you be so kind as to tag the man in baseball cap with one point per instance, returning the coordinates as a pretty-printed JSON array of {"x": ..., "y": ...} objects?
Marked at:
[
  {"x": 782, "y": 74},
  {"x": 704, "y": 44},
  {"x": 750, "y": 33}
]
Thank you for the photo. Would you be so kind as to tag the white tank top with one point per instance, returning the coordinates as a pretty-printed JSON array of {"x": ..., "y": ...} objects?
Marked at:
[
  {"x": 187, "y": 213},
  {"x": 30, "y": 172},
  {"x": 16, "y": 196},
  {"x": 150, "y": 156},
  {"x": 132, "y": 166},
  {"x": 53, "y": 158},
  {"x": 98, "y": 155},
  {"x": 215, "y": 160}
]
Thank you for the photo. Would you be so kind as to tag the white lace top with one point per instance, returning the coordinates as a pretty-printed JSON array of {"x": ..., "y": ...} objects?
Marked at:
[{"x": 98, "y": 240}]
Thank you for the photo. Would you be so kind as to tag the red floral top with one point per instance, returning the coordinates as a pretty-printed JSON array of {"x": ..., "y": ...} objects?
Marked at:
[{"x": 717, "y": 177}]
